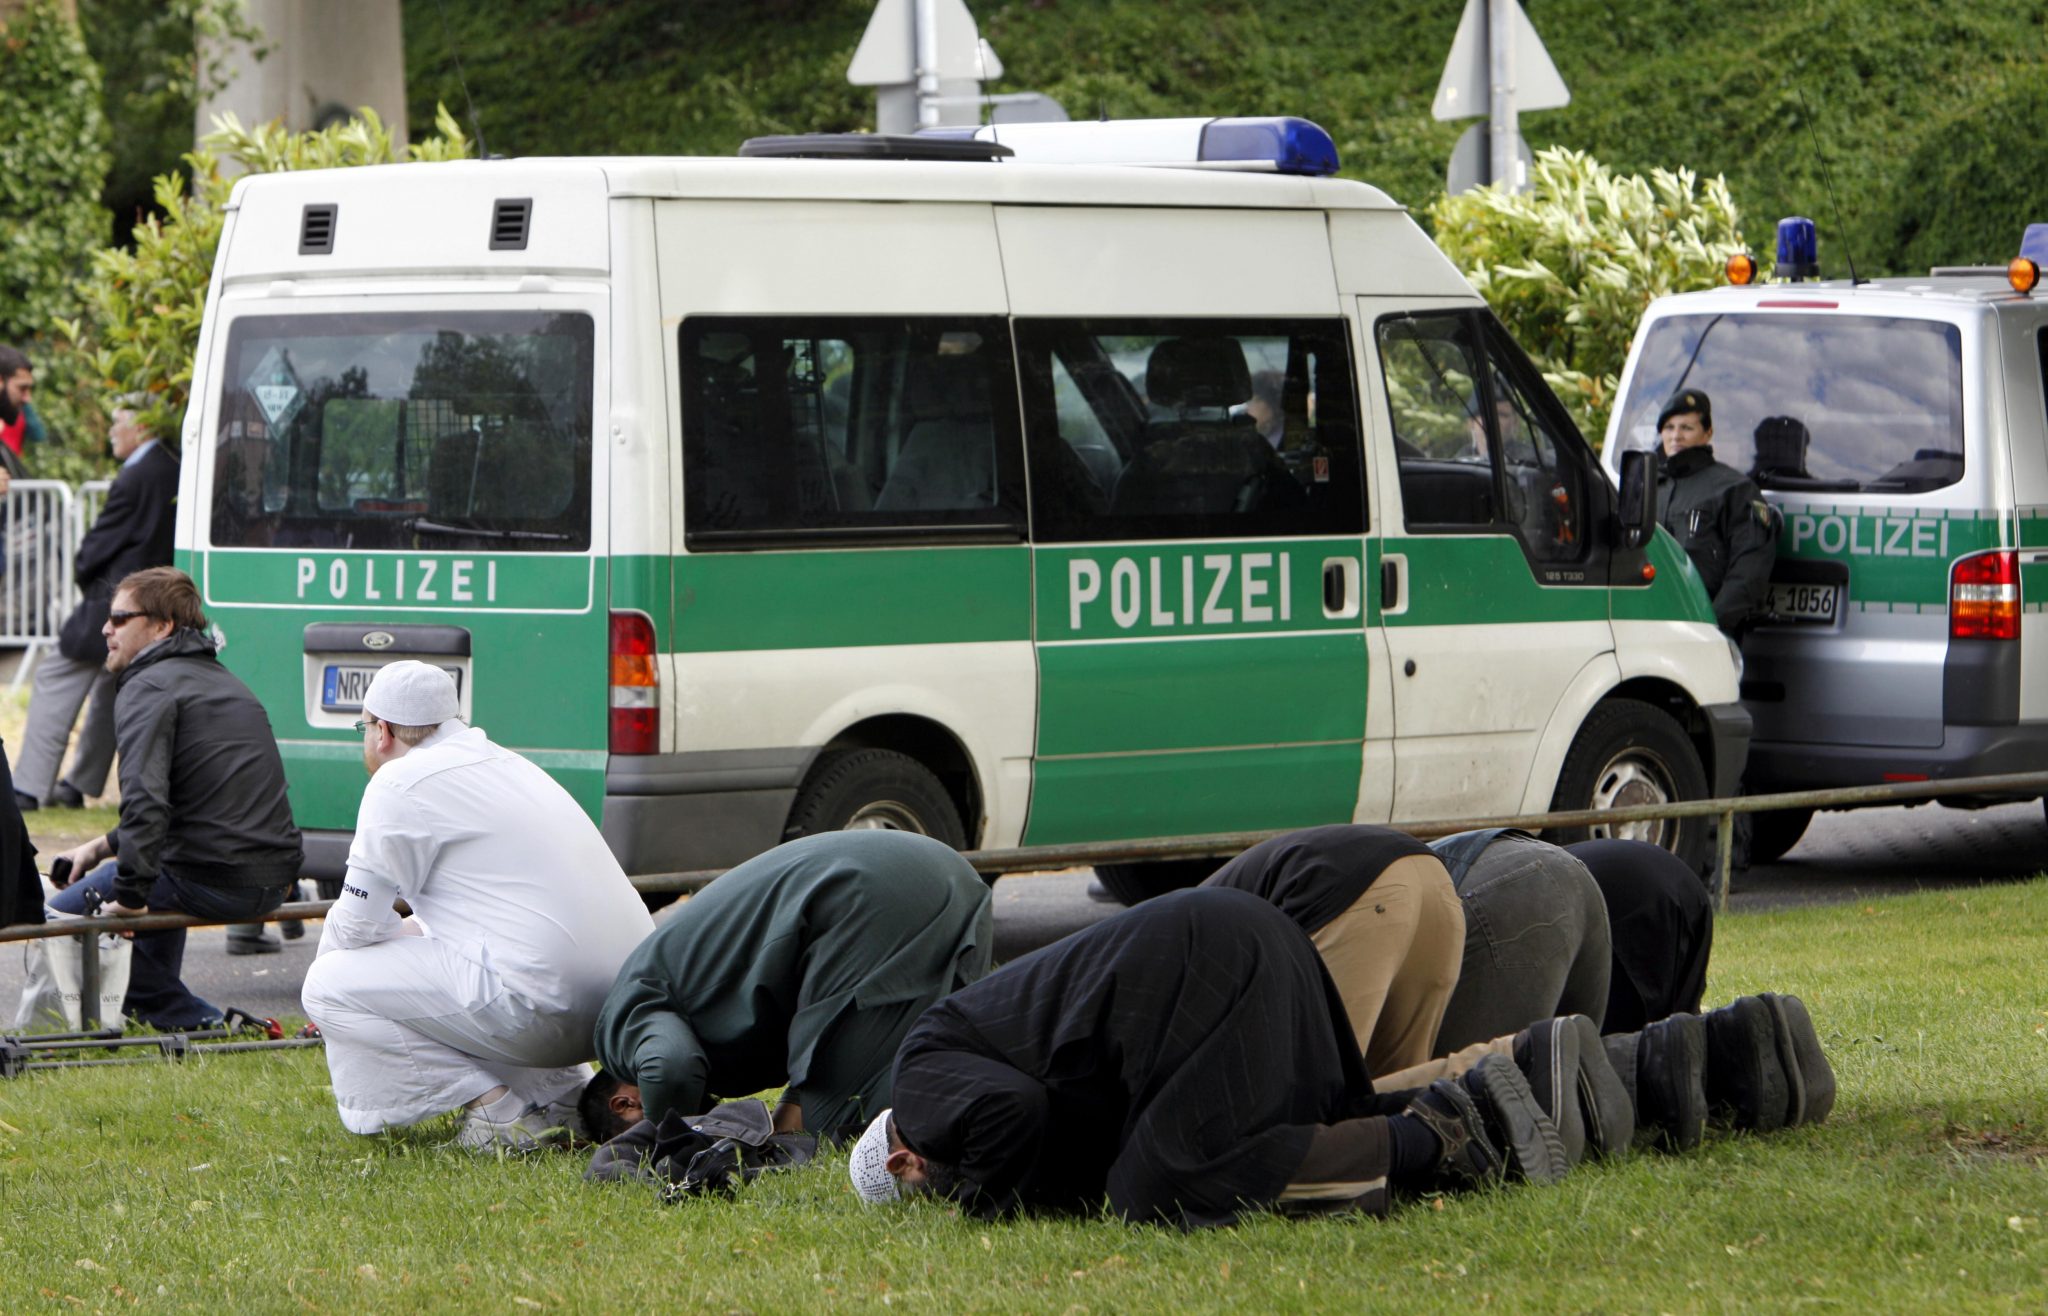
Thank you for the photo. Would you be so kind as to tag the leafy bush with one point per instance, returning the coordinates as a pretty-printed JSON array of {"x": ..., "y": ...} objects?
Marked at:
[
  {"x": 143, "y": 307},
  {"x": 53, "y": 159},
  {"x": 1570, "y": 265}
]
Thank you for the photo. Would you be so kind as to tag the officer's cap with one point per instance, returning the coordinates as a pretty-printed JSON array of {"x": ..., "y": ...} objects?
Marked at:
[{"x": 1688, "y": 399}]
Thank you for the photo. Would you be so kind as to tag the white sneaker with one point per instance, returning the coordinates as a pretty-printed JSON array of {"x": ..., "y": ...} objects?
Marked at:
[
  {"x": 531, "y": 1131},
  {"x": 564, "y": 1115}
]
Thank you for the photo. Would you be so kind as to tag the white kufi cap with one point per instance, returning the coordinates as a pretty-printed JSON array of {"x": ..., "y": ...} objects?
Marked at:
[
  {"x": 411, "y": 693},
  {"x": 869, "y": 1167}
]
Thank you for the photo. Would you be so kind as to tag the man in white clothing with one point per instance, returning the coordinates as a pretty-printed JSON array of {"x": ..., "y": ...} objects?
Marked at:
[{"x": 485, "y": 996}]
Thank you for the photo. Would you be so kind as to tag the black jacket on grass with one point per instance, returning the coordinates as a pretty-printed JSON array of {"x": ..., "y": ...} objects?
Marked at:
[
  {"x": 202, "y": 785},
  {"x": 1175, "y": 1058}
]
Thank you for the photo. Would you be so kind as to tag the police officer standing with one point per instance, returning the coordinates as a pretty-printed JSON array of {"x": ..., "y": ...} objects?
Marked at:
[{"x": 1717, "y": 513}]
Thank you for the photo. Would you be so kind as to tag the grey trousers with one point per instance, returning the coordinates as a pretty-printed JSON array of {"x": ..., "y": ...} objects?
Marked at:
[
  {"x": 62, "y": 686},
  {"x": 1537, "y": 943}
]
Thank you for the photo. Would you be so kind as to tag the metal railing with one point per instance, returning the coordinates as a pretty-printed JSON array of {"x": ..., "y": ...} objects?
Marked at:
[
  {"x": 1037, "y": 858},
  {"x": 41, "y": 523}
]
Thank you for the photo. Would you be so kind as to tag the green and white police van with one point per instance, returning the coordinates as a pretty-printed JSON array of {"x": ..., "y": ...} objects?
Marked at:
[
  {"x": 1014, "y": 496},
  {"x": 1900, "y": 426}
]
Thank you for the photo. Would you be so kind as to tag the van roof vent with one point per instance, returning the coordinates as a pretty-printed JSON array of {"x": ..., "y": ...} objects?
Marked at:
[
  {"x": 316, "y": 230},
  {"x": 509, "y": 223}
]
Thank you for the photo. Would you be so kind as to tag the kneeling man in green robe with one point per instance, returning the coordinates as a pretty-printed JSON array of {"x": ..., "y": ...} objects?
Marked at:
[{"x": 801, "y": 968}]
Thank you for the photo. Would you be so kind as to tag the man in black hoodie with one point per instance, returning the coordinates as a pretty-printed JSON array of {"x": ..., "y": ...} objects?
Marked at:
[{"x": 205, "y": 827}]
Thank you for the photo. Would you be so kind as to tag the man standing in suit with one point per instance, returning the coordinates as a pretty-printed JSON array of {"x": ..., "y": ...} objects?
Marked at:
[{"x": 132, "y": 532}]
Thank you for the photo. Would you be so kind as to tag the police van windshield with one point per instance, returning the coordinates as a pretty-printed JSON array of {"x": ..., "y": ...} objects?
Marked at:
[
  {"x": 1835, "y": 403},
  {"x": 406, "y": 430}
]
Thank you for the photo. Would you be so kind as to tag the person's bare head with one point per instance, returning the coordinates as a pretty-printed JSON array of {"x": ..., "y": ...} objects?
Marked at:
[
  {"x": 128, "y": 432},
  {"x": 609, "y": 1106},
  {"x": 17, "y": 383}
]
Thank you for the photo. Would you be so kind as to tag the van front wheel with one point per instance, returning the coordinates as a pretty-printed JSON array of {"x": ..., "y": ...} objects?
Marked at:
[
  {"x": 1630, "y": 753},
  {"x": 856, "y": 789}
]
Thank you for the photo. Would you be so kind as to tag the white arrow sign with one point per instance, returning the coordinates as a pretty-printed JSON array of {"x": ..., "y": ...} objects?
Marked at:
[{"x": 1465, "y": 89}]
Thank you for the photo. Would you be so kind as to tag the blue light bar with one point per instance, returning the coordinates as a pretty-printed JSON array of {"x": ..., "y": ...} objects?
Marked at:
[
  {"x": 2034, "y": 245},
  {"x": 1798, "y": 249},
  {"x": 1289, "y": 145},
  {"x": 1275, "y": 145}
]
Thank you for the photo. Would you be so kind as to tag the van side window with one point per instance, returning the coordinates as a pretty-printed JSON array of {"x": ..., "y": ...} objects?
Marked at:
[
  {"x": 408, "y": 430},
  {"x": 1184, "y": 429},
  {"x": 832, "y": 426},
  {"x": 1480, "y": 442}
]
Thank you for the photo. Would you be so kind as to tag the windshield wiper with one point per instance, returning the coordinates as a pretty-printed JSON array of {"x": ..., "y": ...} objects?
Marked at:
[{"x": 421, "y": 525}]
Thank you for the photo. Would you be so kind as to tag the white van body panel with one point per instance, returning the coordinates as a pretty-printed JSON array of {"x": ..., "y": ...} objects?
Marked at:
[{"x": 1089, "y": 261}]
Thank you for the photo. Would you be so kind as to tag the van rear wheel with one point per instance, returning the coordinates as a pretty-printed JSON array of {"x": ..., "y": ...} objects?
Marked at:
[
  {"x": 858, "y": 789},
  {"x": 1628, "y": 754},
  {"x": 1776, "y": 831}
]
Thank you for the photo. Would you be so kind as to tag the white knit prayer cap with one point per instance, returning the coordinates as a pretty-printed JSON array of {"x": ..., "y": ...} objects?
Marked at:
[{"x": 868, "y": 1166}]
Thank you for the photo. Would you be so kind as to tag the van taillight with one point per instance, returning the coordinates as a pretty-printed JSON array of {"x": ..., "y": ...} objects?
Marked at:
[
  {"x": 1984, "y": 596},
  {"x": 636, "y": 690}
]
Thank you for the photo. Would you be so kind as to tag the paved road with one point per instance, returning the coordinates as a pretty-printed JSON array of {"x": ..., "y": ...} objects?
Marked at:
[{"x": 1845, "y": 856}]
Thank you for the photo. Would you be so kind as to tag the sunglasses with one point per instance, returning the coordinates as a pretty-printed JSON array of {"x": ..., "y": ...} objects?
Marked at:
[{"x": 123, "y": 618}]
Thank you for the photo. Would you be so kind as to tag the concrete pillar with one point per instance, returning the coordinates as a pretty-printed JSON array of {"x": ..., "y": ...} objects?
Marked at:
[{"x": 326, "y": 57}]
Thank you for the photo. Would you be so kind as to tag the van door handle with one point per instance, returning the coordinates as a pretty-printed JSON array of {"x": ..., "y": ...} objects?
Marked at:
[
  {"x": 1390, "y": 585},
  {"x": 1340, "y": 587}
]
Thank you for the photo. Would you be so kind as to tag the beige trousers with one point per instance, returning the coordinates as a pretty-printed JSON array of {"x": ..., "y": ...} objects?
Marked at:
[{"x": 1394, "y": 956}]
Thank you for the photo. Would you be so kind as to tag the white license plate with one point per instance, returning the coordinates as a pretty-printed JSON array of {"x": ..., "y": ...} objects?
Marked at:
[
  {"x": 343, "y": 685},
  {"x": 1803, "y": 602}
]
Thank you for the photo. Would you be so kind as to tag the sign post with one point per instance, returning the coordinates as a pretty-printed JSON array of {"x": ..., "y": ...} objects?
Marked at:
[{"x": 1497, "y": 68}]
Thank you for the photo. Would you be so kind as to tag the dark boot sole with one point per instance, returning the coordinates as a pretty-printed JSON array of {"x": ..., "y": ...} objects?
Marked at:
[
  {"x": 1605, "y": 1110},
  {"x": 1747, "y": 1087},
  {"x": 1671, "y": 1094},
  {"x": 1553, "y": 1074},
  {"x": 1524, "y": 1132},
  {"x": 1811, "y": 1077}
]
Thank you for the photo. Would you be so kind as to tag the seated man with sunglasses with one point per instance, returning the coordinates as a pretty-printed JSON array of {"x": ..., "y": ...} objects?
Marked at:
[{"x": 205, "y": 827}]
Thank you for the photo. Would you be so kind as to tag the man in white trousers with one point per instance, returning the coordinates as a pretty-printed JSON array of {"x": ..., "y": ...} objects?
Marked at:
[{"x": 484, "y": 997}]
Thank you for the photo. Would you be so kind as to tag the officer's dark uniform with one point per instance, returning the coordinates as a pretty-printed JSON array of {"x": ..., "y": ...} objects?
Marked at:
[{"x": 1721, "y": 519}]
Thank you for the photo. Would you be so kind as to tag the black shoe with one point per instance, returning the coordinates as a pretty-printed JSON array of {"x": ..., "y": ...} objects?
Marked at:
[
  {"x": 1515, "y": 1121},
  {"x": 1468, "y": 1155},
  {"x": 66, "y": 795},
  {"x": 26, "y": 803},
  {"x": 1100, "y": 893},
  {"x": 258, "y": 943},
  {"x": 291, "y": 929},
  {"x": 1746, "y": 1083},
  {"x": 1577, "y": 1086},
  {"x": 1807, "y": 1071},
  {"x": 1664, "y": 1069}
]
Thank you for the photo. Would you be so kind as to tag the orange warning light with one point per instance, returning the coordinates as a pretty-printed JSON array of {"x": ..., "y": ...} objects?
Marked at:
[{"x": 1742, "y": 269}]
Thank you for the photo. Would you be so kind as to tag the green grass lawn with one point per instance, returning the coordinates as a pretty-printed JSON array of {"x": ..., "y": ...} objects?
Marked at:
[{"x": 227, "y": 1184}]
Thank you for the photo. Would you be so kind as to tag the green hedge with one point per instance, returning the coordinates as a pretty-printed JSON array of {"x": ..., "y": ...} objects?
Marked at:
[
  {"x": 1901, "y": 96},
  {"x": 53, "y": 159}
]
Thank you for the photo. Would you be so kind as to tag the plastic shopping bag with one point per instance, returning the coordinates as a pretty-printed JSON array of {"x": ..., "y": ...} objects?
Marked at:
[{"x": 54, "y": 981}]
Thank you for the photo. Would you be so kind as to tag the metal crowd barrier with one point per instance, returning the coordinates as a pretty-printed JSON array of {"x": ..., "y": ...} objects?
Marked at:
[
  {"x": 1037, "y": 858},
  {"x": 39, "y": 533}
]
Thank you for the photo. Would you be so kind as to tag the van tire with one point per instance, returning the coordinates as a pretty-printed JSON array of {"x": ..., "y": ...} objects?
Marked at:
[
  {"x": 1135, "y": 883},
  {"x": 1629, "y": 752},
  {"x": 874, "y": 788},
  {"x": 1774, "y": 832}
]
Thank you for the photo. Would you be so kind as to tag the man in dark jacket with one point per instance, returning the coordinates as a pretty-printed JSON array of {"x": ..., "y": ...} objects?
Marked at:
[
  {"x": 205, "y": 827},
  {"x": 132, "y": 531},
  {"x": 1716, "y": 513},
  {"x": 1189, "y": 1060},
  {"x": 803, "y": 966}
]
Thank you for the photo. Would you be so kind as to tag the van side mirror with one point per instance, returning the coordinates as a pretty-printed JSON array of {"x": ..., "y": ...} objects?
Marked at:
[{"x": 1637, "y": 511}]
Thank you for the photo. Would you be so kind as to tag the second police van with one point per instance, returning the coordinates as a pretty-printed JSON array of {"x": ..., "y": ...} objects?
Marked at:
[
  {"x": 1900, "y": 427},
  {"x": 1017, "y": 496}
]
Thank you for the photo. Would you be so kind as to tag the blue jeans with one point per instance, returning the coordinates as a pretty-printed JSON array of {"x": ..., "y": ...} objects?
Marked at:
[{"x": 156, "y": 994}]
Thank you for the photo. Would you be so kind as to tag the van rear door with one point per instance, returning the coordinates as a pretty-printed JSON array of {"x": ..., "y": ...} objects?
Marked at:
[{"x": 387, "y": 479}]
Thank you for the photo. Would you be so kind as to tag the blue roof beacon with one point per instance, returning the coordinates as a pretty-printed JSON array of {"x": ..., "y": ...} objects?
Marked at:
[{"x": 1798, "y": 249}]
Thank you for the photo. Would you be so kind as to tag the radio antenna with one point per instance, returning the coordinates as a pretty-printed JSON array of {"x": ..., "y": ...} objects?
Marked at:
[
  {"x": 476, "y": 128},
  {"x": 1828, "y": 179}
]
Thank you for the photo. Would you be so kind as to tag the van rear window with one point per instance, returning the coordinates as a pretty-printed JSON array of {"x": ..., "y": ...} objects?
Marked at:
[
  {"x": 413, "y": 430},
  {"x": 1828, "y": 403}
]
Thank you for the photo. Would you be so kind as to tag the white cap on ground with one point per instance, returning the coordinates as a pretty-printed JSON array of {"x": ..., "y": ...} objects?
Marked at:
[
  {"x": 869, "y": 1167},
  {"x": 411, "y": 693}
]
